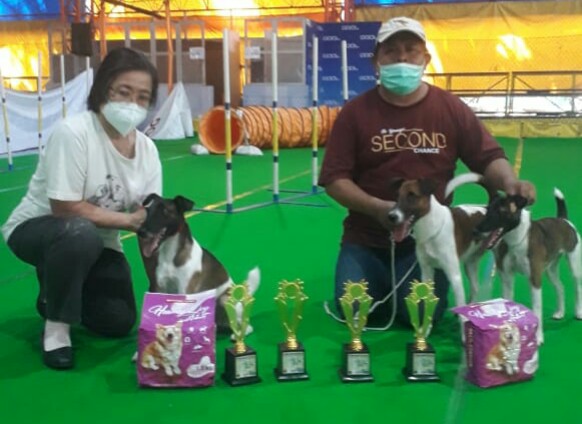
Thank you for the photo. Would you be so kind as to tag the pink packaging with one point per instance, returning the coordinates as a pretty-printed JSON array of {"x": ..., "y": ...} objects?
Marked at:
[
  {"x": 500, "y": 342},
  {"x": 177, "y": 340}
]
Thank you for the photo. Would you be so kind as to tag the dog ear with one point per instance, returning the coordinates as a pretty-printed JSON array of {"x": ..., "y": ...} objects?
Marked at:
[
  {"x": 146, "y": 202},
  {"x": 183, "y": 204}
]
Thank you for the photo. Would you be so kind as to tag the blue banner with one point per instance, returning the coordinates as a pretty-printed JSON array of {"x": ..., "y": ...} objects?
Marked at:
[
  {"x": 360, "y": 38},
  {"x": 29, "y": 9}
]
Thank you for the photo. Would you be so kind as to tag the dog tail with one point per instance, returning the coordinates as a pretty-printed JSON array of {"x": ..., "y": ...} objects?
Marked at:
[
  {"x": 459, "y": 180},
  {"x": 254, "y": 279},
  {"x": 562, "y": 211}
]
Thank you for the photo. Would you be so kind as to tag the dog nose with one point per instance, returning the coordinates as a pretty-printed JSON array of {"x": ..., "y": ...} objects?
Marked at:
[{"x": 394, "y": 216}]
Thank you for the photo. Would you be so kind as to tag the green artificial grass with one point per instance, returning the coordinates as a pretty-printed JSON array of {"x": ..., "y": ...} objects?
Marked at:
[{"x": 287, "y": 241}]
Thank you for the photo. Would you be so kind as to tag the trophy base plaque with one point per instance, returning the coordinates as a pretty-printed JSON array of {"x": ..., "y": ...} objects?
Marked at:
[
  {"x": 291, "y": 364},
  {"x": 240, "y": 368},
  {"x": 355, "y": 365},
  {"x": 420, "y": 364}
]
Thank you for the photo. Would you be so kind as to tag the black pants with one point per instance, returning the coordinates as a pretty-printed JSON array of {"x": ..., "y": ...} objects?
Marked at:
[{"x": 80, "y": 280}]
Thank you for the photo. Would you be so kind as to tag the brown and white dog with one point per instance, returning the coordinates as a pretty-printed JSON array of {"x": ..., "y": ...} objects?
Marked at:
[
  {"x": 183, "y": 265},
  {"x": 444, "y": 236},
  {"x": 530, "y": 247}
]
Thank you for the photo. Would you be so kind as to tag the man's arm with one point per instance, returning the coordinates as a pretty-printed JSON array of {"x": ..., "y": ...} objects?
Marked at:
[
  {"x": 500, "y": 176},
  {"x": 348, "y": 194}
]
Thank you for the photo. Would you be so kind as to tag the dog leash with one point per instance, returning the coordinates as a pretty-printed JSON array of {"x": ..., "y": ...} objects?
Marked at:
[{"x": 380, "y": 302}]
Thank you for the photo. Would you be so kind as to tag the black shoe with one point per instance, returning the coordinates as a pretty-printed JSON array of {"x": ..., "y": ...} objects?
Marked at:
[{"x": 58, "y": 359}]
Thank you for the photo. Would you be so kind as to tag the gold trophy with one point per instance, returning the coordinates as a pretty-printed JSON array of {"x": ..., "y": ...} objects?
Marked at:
[
  {"x": 241, "y": 362},
  {"x": 291, "y": 364},
  {"x": 355, "y": 355},
  {"x": 420, "y": 356}
]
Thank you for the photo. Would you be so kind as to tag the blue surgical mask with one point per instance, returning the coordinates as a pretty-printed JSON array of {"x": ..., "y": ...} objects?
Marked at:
[{"x": 401, "y": 78}]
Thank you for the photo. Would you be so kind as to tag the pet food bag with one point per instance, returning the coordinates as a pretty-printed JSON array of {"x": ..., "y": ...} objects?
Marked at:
[
  {"x": 177, "y": 340},
  {"x": 500, "y": 342}
]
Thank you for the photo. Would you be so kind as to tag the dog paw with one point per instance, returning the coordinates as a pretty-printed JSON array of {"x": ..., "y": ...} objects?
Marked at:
[
  {"x": 558, "y": 315},
  {"x": 579, "y": 315}
]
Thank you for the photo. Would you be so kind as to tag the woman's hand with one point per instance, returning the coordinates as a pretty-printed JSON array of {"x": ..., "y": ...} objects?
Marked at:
[
  {"x": 136, "y": 219},
  {"x": 101, "y": 217}
]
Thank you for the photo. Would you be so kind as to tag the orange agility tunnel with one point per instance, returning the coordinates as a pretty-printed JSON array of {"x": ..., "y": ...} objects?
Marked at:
[{"x": 294, "y": 127}]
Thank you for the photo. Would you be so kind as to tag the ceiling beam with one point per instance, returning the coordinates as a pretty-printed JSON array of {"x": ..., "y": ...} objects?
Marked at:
[{"x": 135, "y": 8}]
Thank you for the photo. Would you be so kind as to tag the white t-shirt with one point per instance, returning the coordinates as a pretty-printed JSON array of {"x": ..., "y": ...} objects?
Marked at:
[{"x": 79, "y": 162}]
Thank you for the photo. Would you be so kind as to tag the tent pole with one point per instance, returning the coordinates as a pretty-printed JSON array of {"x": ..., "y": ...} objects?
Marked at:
[
  {"x": 103, "y": 40},
  {"x": 170, "y": 47}
]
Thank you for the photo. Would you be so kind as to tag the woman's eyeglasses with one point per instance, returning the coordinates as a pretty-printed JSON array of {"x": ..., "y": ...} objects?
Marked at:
[{"x": 126, "y": 94}]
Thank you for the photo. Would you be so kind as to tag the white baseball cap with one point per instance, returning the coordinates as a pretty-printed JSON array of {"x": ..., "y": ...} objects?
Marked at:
[{"x": 400, "y": 24}]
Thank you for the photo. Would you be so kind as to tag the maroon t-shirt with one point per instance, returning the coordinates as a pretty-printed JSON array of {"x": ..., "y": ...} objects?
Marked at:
[{"x": 373, "y": 142}]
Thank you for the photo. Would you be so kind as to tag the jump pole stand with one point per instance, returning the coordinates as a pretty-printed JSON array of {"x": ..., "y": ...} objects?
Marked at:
[
  {"x": 275, "y": 135},
  {"x": 39, "y": 91},
  {"x": 63, "y": 97},
  {"x": 275, "y": 139},
  {"x": 88, "y": 68},
  {"x": 227, "y": 124},
  {"x": 345, "y": 71},
  {"x": 314, "y": 141},
  {"x": 6, "y": 124},
  {"x": 314, "y": 164}
]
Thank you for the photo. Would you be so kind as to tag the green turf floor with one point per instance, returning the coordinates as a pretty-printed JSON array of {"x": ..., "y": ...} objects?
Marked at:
[{"x": 287, "y": 242}]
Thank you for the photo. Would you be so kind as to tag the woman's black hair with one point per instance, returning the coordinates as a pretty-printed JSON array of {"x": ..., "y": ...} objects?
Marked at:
[{"x": 118, "y": 61}]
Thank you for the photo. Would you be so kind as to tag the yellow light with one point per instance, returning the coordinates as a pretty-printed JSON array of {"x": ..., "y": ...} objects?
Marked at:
[
  {"x": 234, "y": 7},
  {"x": 115, "y": 11},
  {"x": 14, "y": 62},
  {"x": 436, "y": 64},
  {"x": 516, "y": 45},
  {"x": 502, "y": 51}
]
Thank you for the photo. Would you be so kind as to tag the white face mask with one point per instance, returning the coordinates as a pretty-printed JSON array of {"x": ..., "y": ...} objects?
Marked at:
[{"x": 123, "y": 116}]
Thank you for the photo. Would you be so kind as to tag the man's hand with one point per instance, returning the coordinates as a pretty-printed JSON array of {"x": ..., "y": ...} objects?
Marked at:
[
  {"x": 522, "y": 188},
  {"x": 383, "y": 209},
  {"x": 499, "y": 175},
  {"x": 348, "y": 194}
]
